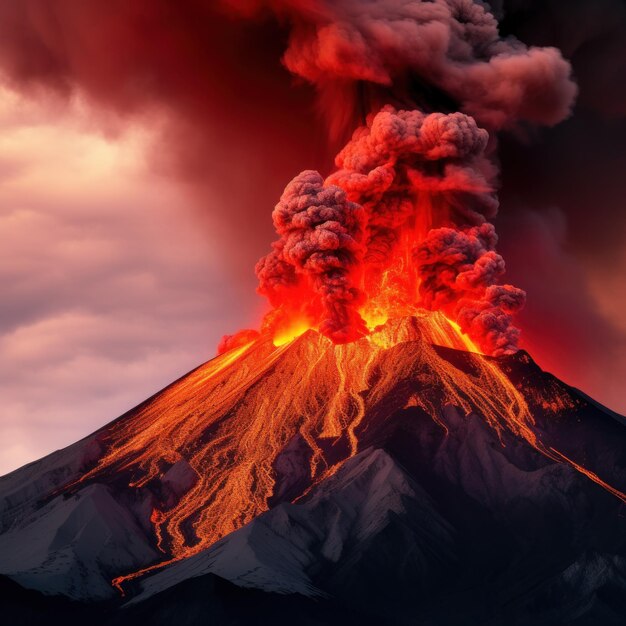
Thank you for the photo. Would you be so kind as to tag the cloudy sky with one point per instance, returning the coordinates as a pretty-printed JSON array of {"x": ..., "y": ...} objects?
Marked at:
[
  {"x": 111, "y": 288},
  {"x": 139, "y": 163}
]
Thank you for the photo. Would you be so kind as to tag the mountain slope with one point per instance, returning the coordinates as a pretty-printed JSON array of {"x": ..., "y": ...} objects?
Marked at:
[
  {"x": 402, "y": 478},
  {"x": 277, "y": 551}
]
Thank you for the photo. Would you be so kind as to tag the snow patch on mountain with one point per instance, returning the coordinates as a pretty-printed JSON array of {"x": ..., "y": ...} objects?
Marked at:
[{"x": 75, "y": 545}]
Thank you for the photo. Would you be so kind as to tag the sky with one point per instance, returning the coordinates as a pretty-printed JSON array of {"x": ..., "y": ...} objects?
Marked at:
[
  {"x": 110, "y": 291},
  {"x": 137, "y": 182}
]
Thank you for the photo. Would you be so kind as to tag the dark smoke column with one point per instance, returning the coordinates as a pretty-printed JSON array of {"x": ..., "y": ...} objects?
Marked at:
[
  {"x": 310, "y": 271},
  {"x": 435, "y": 81}
]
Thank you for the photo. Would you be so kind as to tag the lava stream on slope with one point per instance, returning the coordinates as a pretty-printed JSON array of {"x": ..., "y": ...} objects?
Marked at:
[{"x": 231, "y": 419}]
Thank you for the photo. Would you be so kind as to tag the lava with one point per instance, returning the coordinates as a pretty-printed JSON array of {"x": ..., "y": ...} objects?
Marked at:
[
  {"x": 287, "y": 334},
  {"x": 231, "y": 419}
]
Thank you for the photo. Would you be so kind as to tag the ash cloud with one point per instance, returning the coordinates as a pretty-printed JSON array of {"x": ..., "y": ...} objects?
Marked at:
[
  {"x": 407, "y": 184},
  {"x": 460, "y": 273},
  {"x": 214, "y": 76},
  {"x": 416, "y": 51},
  {"x": 319, "y": 249}
]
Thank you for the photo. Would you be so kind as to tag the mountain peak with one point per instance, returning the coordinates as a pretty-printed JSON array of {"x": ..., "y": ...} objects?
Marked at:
[{"x": 297, "y": 430}]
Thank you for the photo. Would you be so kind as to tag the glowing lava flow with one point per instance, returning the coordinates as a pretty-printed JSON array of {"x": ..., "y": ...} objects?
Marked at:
[{"x": 230, "y": 420}]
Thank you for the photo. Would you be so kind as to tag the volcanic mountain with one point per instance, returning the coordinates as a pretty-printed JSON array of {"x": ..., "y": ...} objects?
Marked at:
[{"x": 403, "y": 478}]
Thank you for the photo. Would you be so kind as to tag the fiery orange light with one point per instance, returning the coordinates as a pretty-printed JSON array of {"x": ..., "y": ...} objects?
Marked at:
[
  {"x": 292, "y": 331},
  {"x": 230, "y": 431},
  {"x": 469, "y": 344}
]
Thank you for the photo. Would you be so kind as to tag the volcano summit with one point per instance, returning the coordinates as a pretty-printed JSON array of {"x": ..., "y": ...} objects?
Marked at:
[{"x": 400, "y": 479}]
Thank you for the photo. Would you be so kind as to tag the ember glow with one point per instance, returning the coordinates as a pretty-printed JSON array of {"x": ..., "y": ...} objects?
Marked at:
[
  {"x": 400, "y": 225},
  {"x": 226, "y": 432}
]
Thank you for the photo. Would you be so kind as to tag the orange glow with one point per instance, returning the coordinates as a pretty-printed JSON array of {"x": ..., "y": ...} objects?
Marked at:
[
  {"x": 292, "y": 331},
  {"x": 389, "y": 287},
  {"x": 403, "y": 222},
  {"x": 373, "y": 319},
  {"x": 231, "y": 430},
  {"x": 392, "y": 291},
  {"x": 389, "y": 292},
  {"x": 470, "y": 346}
]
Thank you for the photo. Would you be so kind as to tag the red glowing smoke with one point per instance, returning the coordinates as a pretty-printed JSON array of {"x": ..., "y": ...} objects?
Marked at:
[
  {"x": 310, "y": 271},
  {"x": 411, "y": 229},
  {"x": 422, "y": 82},
  {"x": 459, "y": 271},
  {"x": 401, "y": 224}
]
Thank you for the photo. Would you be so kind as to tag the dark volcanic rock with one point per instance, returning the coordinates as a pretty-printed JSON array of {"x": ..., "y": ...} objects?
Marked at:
[{"x": 442, "y": 518}]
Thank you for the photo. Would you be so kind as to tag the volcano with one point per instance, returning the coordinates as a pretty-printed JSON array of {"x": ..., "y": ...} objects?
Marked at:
[{"x": 404, "y": 478}]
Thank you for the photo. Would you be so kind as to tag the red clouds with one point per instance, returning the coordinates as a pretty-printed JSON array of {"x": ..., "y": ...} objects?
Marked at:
[
  {"x": 310, "y": 271},
  {"x": 459, "y": 272}
]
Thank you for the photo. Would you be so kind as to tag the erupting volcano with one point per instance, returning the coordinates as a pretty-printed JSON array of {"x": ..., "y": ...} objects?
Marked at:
[
  {"x": 227, "y": 433},
  {"x": 381, "y": 437},
  {"x": 401, "y": 224},
  {"x": 276, "y": 467}
]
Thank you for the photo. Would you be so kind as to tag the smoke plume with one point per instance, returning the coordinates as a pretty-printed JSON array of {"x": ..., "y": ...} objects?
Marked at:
[
  {"x": 422, "y": 180},
  {"x": 459, "y": 272},
  {"x": 408, "y": 186},
  {"x": 436, "y": 54},
  {"x": 309, "y": 273},
  {"x": 423, "y": 86}
]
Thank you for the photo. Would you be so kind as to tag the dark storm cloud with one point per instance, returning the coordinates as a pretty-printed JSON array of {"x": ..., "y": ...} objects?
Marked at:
[{"x": 574, "y": 268}]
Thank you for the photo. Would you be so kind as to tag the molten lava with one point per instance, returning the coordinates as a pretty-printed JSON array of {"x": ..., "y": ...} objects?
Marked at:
[{"x": 230, "y": 420}]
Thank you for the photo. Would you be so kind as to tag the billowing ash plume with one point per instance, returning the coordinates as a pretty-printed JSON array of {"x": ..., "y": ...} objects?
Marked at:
[
  {"x": 403, "y": 222},
  {"x": 402, "y": 157},
  {"x": 310, "y": 269},
  {"x": 459, "y": 272},
  {"x": 436, "y": 54},
  {"x": 400, "y": 176}
]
